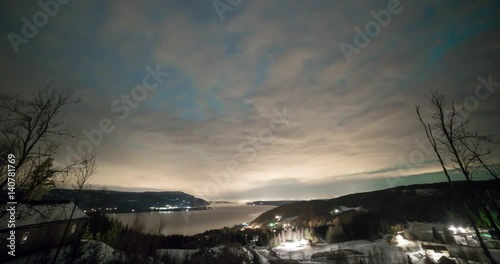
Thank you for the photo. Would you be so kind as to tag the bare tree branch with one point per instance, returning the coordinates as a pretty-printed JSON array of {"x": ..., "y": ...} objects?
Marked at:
[
  {"x": 464, "y": 153},
  {"x": 30, "y": 130}
]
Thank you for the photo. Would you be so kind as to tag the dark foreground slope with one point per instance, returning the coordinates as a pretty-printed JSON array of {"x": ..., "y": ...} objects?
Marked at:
[{"x": 425, "y": 202}]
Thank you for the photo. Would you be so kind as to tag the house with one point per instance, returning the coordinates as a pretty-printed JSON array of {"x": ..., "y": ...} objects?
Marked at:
[
  {"x": 342, "y": 209},
  {"x": 436, "y": 251},
  {"x": 39, "y": 228},
  {"x": 286, "y": 222}
]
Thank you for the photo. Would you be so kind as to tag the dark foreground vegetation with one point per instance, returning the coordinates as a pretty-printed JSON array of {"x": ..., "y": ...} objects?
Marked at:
[{"x": 132, "y": 239}]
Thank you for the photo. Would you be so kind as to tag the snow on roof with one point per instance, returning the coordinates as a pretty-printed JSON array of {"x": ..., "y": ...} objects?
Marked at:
[{"x": 33, "y": 213}]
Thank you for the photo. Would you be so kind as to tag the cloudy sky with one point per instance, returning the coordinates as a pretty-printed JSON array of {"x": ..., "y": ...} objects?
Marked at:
[{"x": 255, "y": 99}]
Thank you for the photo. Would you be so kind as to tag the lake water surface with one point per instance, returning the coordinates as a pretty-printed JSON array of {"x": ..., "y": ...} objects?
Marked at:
[{"x": 194, "y": 222}]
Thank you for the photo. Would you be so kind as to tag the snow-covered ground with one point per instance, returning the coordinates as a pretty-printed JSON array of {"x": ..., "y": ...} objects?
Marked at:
[
  {"x": 181, "y": 255},
  {"x": 263, "y": 254},
  {"x": 177, "y": 255},
  {"x": 358, "y": 249},
  {"x": 379, "y": 251},
  {"x": 431, "y": 236}
]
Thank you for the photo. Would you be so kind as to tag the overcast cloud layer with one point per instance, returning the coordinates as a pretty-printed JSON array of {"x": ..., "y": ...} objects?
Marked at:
[{"x": 346, "y": 124}]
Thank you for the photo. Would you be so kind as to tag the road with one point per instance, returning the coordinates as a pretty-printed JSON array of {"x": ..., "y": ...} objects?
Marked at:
[{"x": 259, "y": 258}]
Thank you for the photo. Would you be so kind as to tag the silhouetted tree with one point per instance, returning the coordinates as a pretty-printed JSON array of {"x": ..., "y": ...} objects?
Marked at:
[
  {"x": 82, "y": 173},
  {"x": 448, "y": 138},
  {"x": 31, "y": 130}
]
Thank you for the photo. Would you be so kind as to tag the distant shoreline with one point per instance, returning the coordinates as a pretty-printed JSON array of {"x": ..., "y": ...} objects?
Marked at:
[{"x": 149, "y": 210}]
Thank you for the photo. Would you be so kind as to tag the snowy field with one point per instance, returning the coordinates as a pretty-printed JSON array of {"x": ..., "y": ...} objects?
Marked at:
[
  {"x": 354, "y": 250},
  {"x": 379, "y": 251}
]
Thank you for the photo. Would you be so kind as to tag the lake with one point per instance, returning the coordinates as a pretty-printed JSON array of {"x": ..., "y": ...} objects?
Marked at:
[{"x": 194, "y": 222}]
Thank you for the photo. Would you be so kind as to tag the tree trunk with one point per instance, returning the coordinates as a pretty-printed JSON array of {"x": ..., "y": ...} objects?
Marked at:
[
  {"x": 64, "y": 234},
  {"x": 484, "y": 206},
  {"x": 481, "y": 241}
]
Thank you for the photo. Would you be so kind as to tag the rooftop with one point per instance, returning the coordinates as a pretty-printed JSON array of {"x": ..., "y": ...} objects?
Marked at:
[{"x": 39, "y": 212}]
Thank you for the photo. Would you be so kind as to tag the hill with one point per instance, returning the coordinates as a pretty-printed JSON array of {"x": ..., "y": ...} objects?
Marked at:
[
  {"x": 121, "y": 202},
  {"x": 423, "y": 202},
  {"x": 274, "y": 203}
]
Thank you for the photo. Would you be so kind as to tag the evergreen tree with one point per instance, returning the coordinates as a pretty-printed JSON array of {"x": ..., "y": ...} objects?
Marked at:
[
  {"x": 75, "y": 251},
  {"x": 448, "y": 236},
  {"x": 87, "y": 235},
  {"x": 113, "y": 233}
]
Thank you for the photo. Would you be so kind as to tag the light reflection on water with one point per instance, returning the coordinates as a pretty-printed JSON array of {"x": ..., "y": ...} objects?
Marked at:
[{"x": 194, "y": 222}]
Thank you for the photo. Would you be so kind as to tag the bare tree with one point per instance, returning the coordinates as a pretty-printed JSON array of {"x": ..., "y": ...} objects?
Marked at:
[
  {"x": 161, "y": 225},
  {"x": 81, "y": 174},
  {"x": 138, "y": 224},
  {"x": 31, "y": 130},
  {"x": 473, "y": 143},
  {"x": 458, "y": 149},
  {"x": 158, "y": 235},
  {"x": 463, "y": 148}
]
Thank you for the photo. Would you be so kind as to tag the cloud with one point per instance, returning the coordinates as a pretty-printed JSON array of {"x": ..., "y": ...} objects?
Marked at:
[{"x": 352, "y": 121}]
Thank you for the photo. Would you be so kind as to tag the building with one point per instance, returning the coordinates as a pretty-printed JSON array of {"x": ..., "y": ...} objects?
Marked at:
[
  {"x": 286, "y": 222},
  {"x": 39, "y": 228},
  {"x": 436, "y": 251},
  {"x": 342, "y": 209}
]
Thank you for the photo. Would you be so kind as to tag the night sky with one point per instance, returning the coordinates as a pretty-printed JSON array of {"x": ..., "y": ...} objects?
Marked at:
[{"x": 244, "y": 100}]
